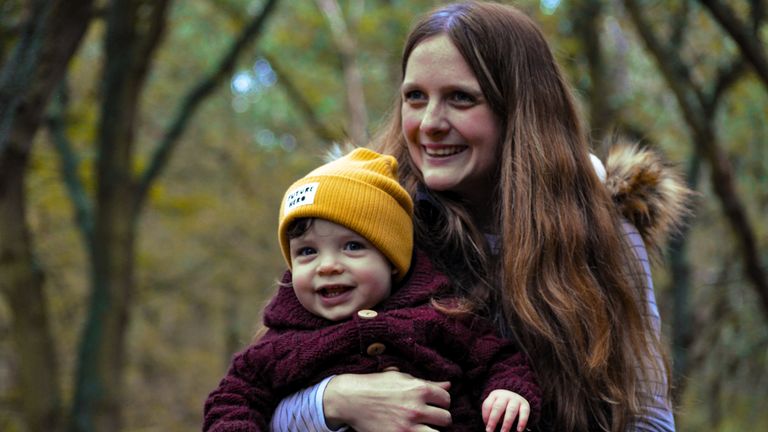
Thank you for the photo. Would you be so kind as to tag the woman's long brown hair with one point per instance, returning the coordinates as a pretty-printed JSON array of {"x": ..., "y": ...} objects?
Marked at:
[{"x": 563, "y": 280}]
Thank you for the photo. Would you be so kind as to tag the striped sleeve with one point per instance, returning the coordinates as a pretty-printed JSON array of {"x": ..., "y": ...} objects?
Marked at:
[
  {"x": 657, "y": 416},
  {"x": 636, "y": 243},
  {"x": 303, "y": 411}
]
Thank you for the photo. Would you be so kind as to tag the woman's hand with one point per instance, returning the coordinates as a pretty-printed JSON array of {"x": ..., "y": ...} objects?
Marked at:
[{"x": 386, "y": 401}]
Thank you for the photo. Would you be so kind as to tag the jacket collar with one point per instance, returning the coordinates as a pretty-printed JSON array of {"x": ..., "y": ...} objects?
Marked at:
[{"x": 423, "y": 281}]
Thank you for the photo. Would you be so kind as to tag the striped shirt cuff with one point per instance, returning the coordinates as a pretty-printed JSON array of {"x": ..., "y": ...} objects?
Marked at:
[{"x": 303, "y": 411}]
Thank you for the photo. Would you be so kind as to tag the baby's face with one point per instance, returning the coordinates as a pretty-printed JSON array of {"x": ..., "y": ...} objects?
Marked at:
[{"x": 337, "y": 272}]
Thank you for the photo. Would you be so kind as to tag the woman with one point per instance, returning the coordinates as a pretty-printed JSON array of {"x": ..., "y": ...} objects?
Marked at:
[{"x": 509, "y": 206}]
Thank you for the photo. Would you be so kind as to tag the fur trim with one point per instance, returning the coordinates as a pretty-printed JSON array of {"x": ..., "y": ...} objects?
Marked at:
[{"x": 650, "y": 194}]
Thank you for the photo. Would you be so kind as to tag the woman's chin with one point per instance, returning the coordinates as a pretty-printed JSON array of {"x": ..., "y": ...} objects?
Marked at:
[{"x": 439, "y": 183}]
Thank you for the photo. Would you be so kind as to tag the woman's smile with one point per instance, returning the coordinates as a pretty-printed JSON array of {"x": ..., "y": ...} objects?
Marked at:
[{"x": 442, "y": 150}]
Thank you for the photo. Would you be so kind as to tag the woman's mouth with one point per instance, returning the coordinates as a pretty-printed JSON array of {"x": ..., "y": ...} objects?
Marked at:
[{"x": 444, "y": 151}]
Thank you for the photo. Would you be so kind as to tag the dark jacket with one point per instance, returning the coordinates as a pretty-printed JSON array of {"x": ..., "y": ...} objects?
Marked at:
[{"x": 406, "y": 332}]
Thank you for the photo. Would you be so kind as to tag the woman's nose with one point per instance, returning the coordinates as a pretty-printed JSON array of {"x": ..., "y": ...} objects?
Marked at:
[{"x": 433, "y": 121}]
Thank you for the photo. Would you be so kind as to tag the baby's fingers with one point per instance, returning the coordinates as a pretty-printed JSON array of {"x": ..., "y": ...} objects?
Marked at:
[
  {"x": 524, "y": 414},
  {"x": 510, "y": 413},
  {"x": 493, "y": 409},
  {"x": 485, "y": 409}
]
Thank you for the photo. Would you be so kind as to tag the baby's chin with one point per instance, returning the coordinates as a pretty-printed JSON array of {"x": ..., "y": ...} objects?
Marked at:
[
  {"x": 337, "y": 318},
  {"x": 336, "y": 314}
]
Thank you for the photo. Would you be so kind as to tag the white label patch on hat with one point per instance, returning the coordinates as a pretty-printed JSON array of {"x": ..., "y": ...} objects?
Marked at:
[{"x": 302, "y": 195}]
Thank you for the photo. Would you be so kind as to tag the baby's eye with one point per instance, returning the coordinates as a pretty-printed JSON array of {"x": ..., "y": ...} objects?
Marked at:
[
  {"x": 354, "y": 245},
  {"x": 305, "y": 251}
]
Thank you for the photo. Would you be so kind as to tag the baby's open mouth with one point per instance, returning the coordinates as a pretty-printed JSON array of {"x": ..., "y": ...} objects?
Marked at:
[{"x": 334, "y": 290}]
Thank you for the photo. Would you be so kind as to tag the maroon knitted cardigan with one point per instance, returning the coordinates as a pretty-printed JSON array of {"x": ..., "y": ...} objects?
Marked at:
[{"x": 301, "y": 349}]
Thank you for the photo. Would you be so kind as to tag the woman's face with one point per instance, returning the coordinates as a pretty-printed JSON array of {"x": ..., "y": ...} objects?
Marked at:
[{"x": 451, "y": 131}]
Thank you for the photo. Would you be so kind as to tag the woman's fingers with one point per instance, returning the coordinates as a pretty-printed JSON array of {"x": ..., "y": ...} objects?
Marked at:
[
  {"x": 387, "y": 401},
  {"x": 430, "y": 403},
  {"x": 436, "y": 416},
  {"x": 436, "y": 393}
]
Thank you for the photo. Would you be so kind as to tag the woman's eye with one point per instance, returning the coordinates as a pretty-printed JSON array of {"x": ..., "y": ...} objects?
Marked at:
[
  {"x": 354, "y": 245},
  {"x": 414, "y": 96},
  {"x": 305, "y": 251},
  {"x": 462, "y": 98}
]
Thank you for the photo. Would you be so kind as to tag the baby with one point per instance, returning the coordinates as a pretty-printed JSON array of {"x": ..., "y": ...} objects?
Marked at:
[{"x": 358, "y": 299}]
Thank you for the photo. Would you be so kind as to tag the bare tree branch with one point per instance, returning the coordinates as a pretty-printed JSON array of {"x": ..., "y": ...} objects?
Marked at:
[
  {"x": 194, "y": 98},
  {"x": 353, "y": 81},
  {"x": 304, "y": 107},
  {"x": 19, "y": 69},
  {"x": 749, "y": 45},
  {"x": 672, "y": 68},
  {"x": 679, "y": 24},
  {"x": 726, "y": 78},
  {"x": 69, "y": 167},
  {"x": 588, "y": 17},
  {"x": 150, "y": 39},
  {"x": 693, "y": 103}
]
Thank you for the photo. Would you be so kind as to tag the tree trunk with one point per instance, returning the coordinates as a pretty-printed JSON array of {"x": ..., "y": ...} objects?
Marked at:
[
  {"x": 21, "y": 281},
  {"x": 680, "y": 271},
  {"x": 588, "y": 18},
  {"x": 99, "y": 383},
  {"x": 59, "y": 32},
  {"x": 120, "y": 198}
]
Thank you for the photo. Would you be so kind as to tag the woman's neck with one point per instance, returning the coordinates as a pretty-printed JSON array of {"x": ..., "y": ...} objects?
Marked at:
[{"x": 481, "y": 208}]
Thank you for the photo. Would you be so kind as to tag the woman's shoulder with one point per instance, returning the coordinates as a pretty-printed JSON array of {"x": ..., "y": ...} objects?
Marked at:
[{"x": 647, "y": 191}]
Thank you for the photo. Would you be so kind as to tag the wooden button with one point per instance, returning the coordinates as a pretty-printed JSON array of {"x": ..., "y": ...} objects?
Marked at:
[
  {"x": 375, "y": 349},
  {"x": 367, "y": 314}
]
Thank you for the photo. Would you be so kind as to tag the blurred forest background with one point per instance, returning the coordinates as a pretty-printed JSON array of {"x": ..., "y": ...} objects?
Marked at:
[{"x": 144, "y": 147}]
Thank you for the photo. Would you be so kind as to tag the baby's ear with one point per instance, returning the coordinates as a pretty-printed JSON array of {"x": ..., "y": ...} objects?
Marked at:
[{"x": 393, "y": 269}]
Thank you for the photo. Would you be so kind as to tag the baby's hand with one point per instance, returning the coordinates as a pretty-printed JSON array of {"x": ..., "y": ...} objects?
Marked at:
[{"x": 508, "y": 404}]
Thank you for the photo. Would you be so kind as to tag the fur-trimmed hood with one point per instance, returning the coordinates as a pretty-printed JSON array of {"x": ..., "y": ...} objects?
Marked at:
[{"x": 648, "y": 192}]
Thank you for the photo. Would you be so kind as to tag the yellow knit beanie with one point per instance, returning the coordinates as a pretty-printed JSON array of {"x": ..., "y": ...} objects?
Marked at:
[{"x": 359, "y": 191}]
